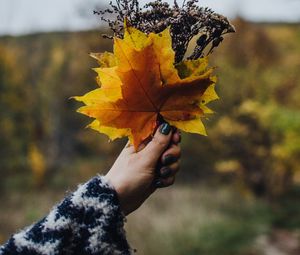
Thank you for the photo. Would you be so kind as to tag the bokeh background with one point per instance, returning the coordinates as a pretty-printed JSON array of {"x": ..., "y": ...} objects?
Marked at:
[{"x": 238, "y": 191}]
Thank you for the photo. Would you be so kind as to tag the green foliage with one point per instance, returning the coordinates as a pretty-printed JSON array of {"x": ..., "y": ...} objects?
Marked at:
[
  {"x": 223, "y": 237},
  {"x": 236, "y": 232},
  {"x": 287, "y": 211}
]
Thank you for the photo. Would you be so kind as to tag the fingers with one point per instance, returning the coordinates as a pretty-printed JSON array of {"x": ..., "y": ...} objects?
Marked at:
[
  {"x": 167, "y": 175},
  {"x": 171, "y": 155},
  {"x": 170, "y": 170},
  {"x": 159, "y": 143},
  {"x": 170, "y": 165},
  {"x": 164, "y": 183},
  {"x": 164, "y": 129},
  {"x": 129, "y": 148},
  {"x": 176, "y": 138}
]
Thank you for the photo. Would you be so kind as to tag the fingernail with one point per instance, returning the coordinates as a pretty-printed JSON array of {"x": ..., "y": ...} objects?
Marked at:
[
  {"x": 165, "y": 171},
  {"x": 158, "y": 184},
  {"x": 169, "y": 159},
  {"x": 165, "y": 129}
]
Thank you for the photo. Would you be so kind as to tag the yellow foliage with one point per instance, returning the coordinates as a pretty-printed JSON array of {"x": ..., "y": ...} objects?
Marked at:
[{"x": 37, "y": 163}]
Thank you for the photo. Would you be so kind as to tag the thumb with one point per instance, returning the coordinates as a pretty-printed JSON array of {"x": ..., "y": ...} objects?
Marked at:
[{"x": 159, "y": 142}]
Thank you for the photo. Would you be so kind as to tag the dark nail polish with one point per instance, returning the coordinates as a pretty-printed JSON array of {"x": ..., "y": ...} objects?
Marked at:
[
  {"x": 169, "y": 159},
  {"x": 165, "y": 172},
  {"x": 165, "y": 129},
  {"x": 158, "y": 184}
]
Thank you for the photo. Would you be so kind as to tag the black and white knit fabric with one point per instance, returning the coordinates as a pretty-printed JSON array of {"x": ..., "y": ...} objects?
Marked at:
[{"x": 88, "y": 221}]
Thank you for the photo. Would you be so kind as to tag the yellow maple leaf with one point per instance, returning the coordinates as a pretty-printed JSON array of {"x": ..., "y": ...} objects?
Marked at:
[{"x": 140, "y": 84}]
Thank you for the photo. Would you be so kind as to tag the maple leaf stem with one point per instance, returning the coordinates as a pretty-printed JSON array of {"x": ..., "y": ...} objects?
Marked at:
[{"x": 160, "y": 119}]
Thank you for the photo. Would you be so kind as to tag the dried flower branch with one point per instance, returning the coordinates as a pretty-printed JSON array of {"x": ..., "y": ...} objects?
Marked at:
[{"x": 186, "y": 21}]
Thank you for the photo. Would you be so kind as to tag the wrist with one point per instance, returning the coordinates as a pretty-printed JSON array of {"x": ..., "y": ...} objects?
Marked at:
[{"x": 118, "y": 187}]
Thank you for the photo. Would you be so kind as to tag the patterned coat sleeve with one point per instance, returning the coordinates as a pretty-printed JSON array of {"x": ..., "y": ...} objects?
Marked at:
[{"x": 88, "y": 221}]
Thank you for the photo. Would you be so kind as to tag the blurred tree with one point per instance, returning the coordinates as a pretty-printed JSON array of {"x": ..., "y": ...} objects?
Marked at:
[
  {"x": 256, "y": 138},
  {"x": 263, "y": 141},
  {"x": 13, "y": 113}
]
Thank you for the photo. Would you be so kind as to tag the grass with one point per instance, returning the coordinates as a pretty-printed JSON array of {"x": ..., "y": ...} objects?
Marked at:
[
  {"x": 198, "y": 220},
  {"x": 184, "y": 219}
]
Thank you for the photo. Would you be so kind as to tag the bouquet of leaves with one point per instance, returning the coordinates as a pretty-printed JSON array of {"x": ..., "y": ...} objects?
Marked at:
[{"x": 148, "y": 78}]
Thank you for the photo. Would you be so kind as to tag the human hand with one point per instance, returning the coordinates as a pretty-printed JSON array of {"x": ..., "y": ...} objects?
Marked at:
[{"x": 136, "y": 175}]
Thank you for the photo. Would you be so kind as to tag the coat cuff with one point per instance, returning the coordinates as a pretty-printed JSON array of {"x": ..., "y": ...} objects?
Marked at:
[{"x": 88, "y": 221}]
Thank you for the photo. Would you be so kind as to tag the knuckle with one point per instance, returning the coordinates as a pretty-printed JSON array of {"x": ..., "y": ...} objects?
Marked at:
[
  {"x": 178, "y": 151},
  {"x": 169, "y": 181},
  {"x": 175, "y": 167},
  {"x": 159, "y": 142}
]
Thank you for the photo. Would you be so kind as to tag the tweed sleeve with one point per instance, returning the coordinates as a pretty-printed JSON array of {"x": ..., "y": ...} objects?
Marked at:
[{"x": 88, "y": 221}]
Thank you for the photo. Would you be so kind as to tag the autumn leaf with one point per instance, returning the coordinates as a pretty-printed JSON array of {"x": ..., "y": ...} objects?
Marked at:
[{"x": 139, "y": 85}]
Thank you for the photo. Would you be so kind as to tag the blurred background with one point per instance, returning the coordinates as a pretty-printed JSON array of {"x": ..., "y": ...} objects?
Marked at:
[{"x": 238, "y": 192}]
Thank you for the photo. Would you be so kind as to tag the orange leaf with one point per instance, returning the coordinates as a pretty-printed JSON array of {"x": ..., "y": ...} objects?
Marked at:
[{"x": 139, "y": 85}]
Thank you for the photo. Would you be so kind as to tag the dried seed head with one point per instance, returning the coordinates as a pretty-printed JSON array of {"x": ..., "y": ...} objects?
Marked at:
[{"x": 186, "y": 22}]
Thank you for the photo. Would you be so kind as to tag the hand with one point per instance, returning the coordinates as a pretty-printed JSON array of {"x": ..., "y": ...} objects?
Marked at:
[{"x": 136, "y": 175}]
